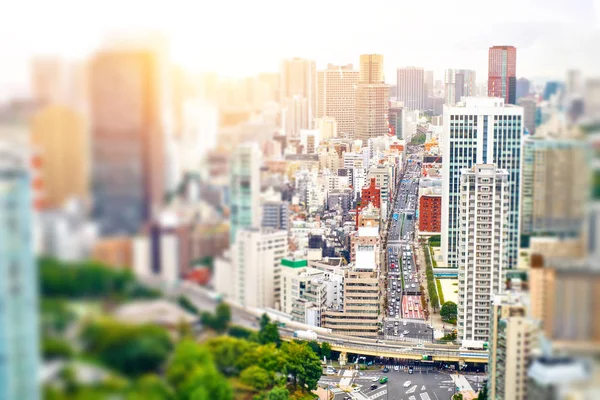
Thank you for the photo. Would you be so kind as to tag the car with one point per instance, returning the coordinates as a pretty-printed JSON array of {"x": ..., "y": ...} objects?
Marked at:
[
  {"x": 373, "y": 387},
  {"x": 383, "y": 379},
  {"x": 386, "y": 370},
  {"x": 374, "y": 379},
  {"x": 404, "y": 323},
  {"x": 396, "y": 368},
  {"x": 356, "y": 389},
  {"x": 405, "y": 332},
  {"x": 395, "y": 332},
  {"x": 396, "y": 323},
  {"x": 407, "y": 384}
]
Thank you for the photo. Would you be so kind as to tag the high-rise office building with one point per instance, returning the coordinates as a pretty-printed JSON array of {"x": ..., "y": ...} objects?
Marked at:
[
  {"x": 411, "y": 88},
  {"x": 245, "y": 188},
  {"x": 480, "y": 131},
  {"x": 459, "y": 83},
  {"x": 555, "y": 187},
  {"x": 529, "y": 111},
  {"x": 336, "y": 96},
  {"x": 19, "y": 339},
  {"x": 127, "y": 138},
  {"x": 372, "y": 99},
  {"x": 328, "y": 127},
  {"x": 502, "y": 73},
  {"x": 523, "y": 88},
  {"x": 482, "y": 248},
  {"x": 574, "y": 83},
  {"x": 296, "y": 116},
  {"x": 396, "y": 119},
  {"x": 299, "y": 78},
  {"x": 428, "y": 83},
  {"x": 513, "y": 339},
  {"x": 58, "y": 133},
  {"x": 256, "y": 261},
  {"x": 371, "y": 69}
]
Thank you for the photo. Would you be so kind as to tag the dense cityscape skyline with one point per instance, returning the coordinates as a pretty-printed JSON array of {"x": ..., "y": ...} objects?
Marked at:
[
  {"x": 538, "y": 29},
  {"x": 257, "y": 202}
]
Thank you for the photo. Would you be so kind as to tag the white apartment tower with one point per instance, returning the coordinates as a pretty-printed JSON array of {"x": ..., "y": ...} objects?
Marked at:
[
  {"x": 482, "y": 250},
  {"x": 480, "y": 130},
  {"x": 336, "y": 92},
  {"x": 256, "y": 260},
  {"x": 411, "y": 88}
]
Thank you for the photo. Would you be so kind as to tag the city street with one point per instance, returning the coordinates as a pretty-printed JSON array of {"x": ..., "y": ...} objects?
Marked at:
[
  {"x": 403, "y": 283},
  {"x": 430, "y": 385}
]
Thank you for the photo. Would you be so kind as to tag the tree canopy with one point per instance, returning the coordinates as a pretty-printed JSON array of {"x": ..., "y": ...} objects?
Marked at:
[
  {"x": 449, "y": 311},
  {"x": 132, "y": 350}
]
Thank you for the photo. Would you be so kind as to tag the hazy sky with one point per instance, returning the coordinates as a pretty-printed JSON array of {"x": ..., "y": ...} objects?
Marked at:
[{"x": 247, "y": 36}]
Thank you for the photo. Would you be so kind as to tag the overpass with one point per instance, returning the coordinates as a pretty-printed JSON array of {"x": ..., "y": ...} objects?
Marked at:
[
  {"x": 406, "y": 350},
  {"x": 344, "y": 344}
]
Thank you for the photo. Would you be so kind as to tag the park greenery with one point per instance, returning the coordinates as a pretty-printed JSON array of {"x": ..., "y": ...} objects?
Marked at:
[
  {"x": 147, "y": 361},
  {"x": 438, "y": 284},
  {"x": 431, "y": 285},
  {"x": 419, "y": 138}
]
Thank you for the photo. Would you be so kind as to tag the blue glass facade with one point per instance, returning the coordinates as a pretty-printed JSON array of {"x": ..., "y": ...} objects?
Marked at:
[{"x": 19, "y": 340}]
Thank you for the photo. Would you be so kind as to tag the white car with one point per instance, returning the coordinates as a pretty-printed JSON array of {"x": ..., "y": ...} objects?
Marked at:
[
  {"x": 404, "y": 323},
  {"x": 396, "y": 323},
  {"x": 397, "y": 368},
  {"x": 407, "y": 384},
  {"x": 374, "y": 379}
]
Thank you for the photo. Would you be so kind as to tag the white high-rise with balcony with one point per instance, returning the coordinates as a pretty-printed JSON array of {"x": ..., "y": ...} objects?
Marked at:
[
  {"x": 482, "y": 247},
  {"x": 480, "y": 130}
]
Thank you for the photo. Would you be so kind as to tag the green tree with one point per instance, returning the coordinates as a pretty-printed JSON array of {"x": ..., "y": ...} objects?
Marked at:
[
  {"x": 264, "y": 321},
  {"x": 326, "y": 350},
  {"x": 231, "y": 355},
  {"x": 242, "y": 333},
  {"x": 53, "y": 348},
  {"x": 193, "y": 375},
  {"x": 222, "y": 317},
  {"x": 256, "y": 377},
  {"x": 187, "y": 304},
  {"x": 278, "y": 393},
  {"x": 151, "y": 387},
  {"x": 483, "y": 393},
  {"x": 131, "y": 349},
  {"x": 303, "y": 364},
  {"x": 449, "y": 310},
  {"x": 315, "y": 347},
  {"x": 269, "y": 334}
]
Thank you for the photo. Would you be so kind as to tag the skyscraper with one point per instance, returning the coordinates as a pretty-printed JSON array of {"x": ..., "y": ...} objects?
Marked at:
[
  {"x": 372, "y": 99},
  {"x": 59, "y": 134},
  {"x": 502, "y": 73},
  {"x": 480, "y": 131},
  {"x": 371, "y": 68},
  {"x": 396, "y": 119},
  {"x": 245, "y": 188},
  {"x": 555, "y": 187},
  {"x": 19, "y": 348},
  {"x": 482, "y": 252},
  {"x": 529, "y": 110},
  {"x": 523, "y": 87},
  {"x": 298, "y": 78},
  {"x": 336, "y": 96},
  {"x": 428, "y": 83},
  {"x": 459, "y": 83},
  {"x": 296, "y": 116},
  {"x": 411, "y": 88},
  {"x": 128, "y": 143}
]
